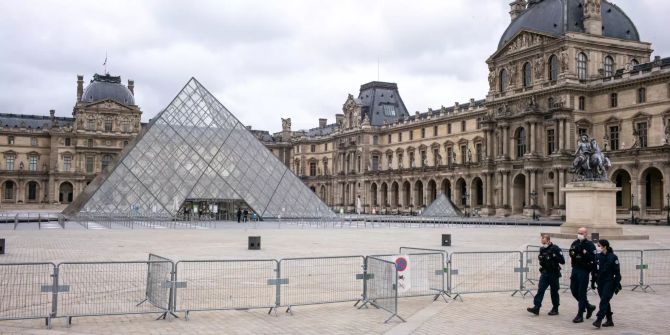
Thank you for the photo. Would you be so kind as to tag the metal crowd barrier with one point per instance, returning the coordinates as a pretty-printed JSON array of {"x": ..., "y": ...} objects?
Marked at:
[
  {"x": 485, "y": 272},
  {"x": 226, "y": 284},
  {"x": 321, "y": 280},
  {"x": 26, "y": 291},
  {"x": 655, "y": 268},
  {"x": 382, "y": 286}
]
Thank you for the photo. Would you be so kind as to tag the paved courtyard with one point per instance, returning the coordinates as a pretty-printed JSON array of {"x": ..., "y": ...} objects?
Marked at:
[{"x": 496, "y": 313}]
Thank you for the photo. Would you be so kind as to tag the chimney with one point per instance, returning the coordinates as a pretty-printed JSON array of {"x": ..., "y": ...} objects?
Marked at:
[
  {"x": 323, "y": 123},
  {"x": 516, "y": 8},
  {"x": 593, "y": 21},
  {"x": 339, "y": 118},
  {"x": 52, "y": 113},
  {"x": 131, "y": 86},
  {"x": 80, "y": 86}
]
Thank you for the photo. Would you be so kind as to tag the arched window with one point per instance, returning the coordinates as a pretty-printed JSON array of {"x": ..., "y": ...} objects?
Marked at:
[
  {"x": 582, "y": 66},
  {"x": 634, "y": 62},
  {"x": 504, "y": 80},
  {"x": 527, "y": 75},
  {"x": 609, "y": 66},
  {"x": 553, "y": 68},
  {"x": 520, "y": 142}
]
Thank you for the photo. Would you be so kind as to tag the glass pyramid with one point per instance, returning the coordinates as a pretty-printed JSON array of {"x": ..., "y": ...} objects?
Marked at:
[
  {"x": 196, "y": 148},
  {"x": 442, "y": 207}
]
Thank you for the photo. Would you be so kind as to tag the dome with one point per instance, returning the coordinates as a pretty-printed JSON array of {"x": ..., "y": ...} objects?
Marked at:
[
  {"x": 107, "y": 87},
  {"x": 557, "y": 17}
]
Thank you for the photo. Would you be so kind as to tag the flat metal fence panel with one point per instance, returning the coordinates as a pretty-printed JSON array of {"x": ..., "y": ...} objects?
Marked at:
[
  {"x": 381, "y": 284},
  {"x": 425, "y": 274},
  {"x": 25, "y": 290},
  {"x": 106, "y": 288},
  {"x": 531, "y": 262},
  {"x": 658, "y": 267},
  {"x": 481, "y": 272},
  {"x": 226, "y": 284},
  {"x": 159, "y": 273},
  {"x": 321, "y": 280},
  {"x": 629, "y": 263}
]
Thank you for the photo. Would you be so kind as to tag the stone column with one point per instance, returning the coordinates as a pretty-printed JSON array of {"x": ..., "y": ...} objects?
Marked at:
[
  {"x": 505, "y": 141},
  {"x": 505, "y": 189},
  {"x": 556, "y": 188},
  {"x": 561, "y": 200},
  {"x": 526, "y": 196},
  {"x": 533, "y": 137},
  {"x": 559, "y": 137}
]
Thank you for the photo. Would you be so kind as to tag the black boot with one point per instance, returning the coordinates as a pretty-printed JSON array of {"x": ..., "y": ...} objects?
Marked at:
[
  {"x": 578, "y": 319},
  {"x": 589, "y": 310},
  {"x": 609, "y": 322},
  {"x": 598, "y": 322},
  {"x": 553, "y": 311},
  {"x": 535, "y": 310}
]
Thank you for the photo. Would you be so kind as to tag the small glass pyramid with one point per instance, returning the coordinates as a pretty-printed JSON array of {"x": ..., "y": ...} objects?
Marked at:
[{"x": 442, "y": 207}]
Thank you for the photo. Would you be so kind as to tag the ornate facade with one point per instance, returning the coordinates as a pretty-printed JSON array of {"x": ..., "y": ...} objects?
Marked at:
[
  {"x": 49, "y": 160},
  {"x": 562, "y": 69}
]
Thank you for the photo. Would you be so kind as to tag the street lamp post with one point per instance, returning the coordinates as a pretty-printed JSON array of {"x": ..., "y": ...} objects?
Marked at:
[
  {"x": 465, "y": 199},
  {"x": 533, "y": 196}
]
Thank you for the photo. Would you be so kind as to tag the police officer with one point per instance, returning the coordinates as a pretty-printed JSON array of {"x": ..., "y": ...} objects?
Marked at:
[
  {"x": 551, "y": 258},
  {"x": 609, "y": 282},
  {"x": 582, "y": 255}
]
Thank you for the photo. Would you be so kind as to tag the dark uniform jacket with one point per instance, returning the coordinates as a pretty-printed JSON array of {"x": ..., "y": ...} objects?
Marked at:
[
  {"x": 551, "y": 258},
  {"x": 583, "y": 255},
  {"x": 608, "y": 268}
]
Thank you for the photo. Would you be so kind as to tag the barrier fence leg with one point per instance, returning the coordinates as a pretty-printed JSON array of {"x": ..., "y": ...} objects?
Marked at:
[
  {"x": 54, "y": 299},
  {"x": 523, "y": 291}
]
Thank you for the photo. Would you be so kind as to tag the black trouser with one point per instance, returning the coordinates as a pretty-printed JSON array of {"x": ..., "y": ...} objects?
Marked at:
[
  {"x": 579, "y": 285},
  {"x": 548, "y": 280},
  {"x": 606, "y": 293}
]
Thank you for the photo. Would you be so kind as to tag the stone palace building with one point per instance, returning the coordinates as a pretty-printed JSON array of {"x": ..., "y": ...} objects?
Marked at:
[{"x": 562, "y": 68}]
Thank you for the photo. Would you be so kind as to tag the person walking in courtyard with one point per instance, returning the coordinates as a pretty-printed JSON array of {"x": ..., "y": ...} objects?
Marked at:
[
  {"x": 239, "y": 215},
  {"x": 609, "y": 282},
  {"x": 582, "y": 255},
  {"x": 551, "y": 258},
  {"x": 246, "y": 215}
]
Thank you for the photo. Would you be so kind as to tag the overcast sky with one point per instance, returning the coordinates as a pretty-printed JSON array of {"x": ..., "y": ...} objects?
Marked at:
[{"x": 262, "y": 59}]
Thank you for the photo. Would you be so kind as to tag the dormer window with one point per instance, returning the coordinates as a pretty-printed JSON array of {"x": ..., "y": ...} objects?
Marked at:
[
  {"x": 389, "y": 110},
  {"x": 10, "y": 140}
]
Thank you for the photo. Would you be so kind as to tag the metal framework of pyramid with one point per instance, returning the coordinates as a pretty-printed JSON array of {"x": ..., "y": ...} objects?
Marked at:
[
  {"x": 442, "y": 207},
  {"x": 195, "y": 149}
]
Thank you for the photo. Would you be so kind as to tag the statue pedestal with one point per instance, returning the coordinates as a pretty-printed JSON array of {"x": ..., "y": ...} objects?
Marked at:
[{"x": 592, "y": 204}]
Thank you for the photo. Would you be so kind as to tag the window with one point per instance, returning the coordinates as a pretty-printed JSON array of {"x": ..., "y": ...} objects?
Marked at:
[
  {"x": 411, "y": 160},
  {"x": 375, "y": 140},
  {"x": 325, "y": 167},
  {"x": 527, "y": 75},
  {"x": 389, "y": 162},
  {"x": 68, "y": 142},
  {"x": 423, "y": 132},
  {"x": 614, "y": 137},
  {"x": 520, "y": 142},
  {"x": 90, "y": 161},
  {"x": 609, "y": 66},
  {"x": 389, "y": 110},
  {"x": 9, "y": 190},
  {"x": 389, "y": 139},
  {"x": 504, "y": 80},
  {"x": 67, "y": 163},
  {"x": 424, "y": 159},
  {"x": 325, "y": 146},
  {"x": 90, "y": 143},
  {"x": 32, "y": 191},
  {"x": 32, "y": 163},
  {"x": 448, "y": 128},
  {"x": 400, "y": 137},
  {"x": 614, "y": 100},
  {"x": 10, "y": 162},
  {"x": 33, "y": 141},
  {"x": 436, "y": 157},
  {"x": 108, "y": 125},
  {"x": 479, "y": 123},
  {"x": 634, "y": 62},
  {"x": 434, "y": 131},
  {"x": 411, "y": 135},
  {"x": 641, "y": 95},
  {"x": 375, "y": 163},
  {"x": 463, "y": 125},
  {"x": 312, "y": 169},
  {"x": 312, "y": 148},
  {"x": 550, "y": 103},
  {"x": 106, "y": 159},
  {"x": 450, "y": 155},
  {"x": 642, "y": 133},
  {"x": 582, "y": 66},
  {"x": 464, "y": 153},
  {"x": 582, "y": 131},
  {"x": 125, "y": 126},
  {"x": 125, "y": 143},
  {"x": 551, "y": 141},
  {"x": 553, "y": 68},
  {"x": 582, "y": 103},
  {"x": 90, "y": 124},
  {"x": 478, "y": 151},
  {"x": 10, "y": 140}
]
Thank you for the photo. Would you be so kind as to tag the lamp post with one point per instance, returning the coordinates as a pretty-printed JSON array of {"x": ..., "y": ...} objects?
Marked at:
[
  {"x": 533, "y": 196},
  {"x": 465, "y": 200}
]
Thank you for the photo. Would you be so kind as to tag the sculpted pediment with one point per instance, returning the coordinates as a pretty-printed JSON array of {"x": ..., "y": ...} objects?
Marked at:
[
  {"x": 106, "y": 104},
  {"x": 523, "y": 40}
]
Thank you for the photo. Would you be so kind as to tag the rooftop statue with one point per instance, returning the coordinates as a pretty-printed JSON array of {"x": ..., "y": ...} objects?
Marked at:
[{"x": 590, "y": 163}]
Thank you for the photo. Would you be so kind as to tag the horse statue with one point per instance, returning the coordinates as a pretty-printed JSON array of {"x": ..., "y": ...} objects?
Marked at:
[{"x": 590, "y": 163}]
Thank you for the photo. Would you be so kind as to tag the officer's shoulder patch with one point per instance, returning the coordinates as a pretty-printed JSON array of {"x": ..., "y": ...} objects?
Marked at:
[{"x": 616, "y": 262}]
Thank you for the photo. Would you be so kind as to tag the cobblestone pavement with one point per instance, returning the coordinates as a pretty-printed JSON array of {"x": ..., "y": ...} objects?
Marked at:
[{"x": 636, "y": 312}]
